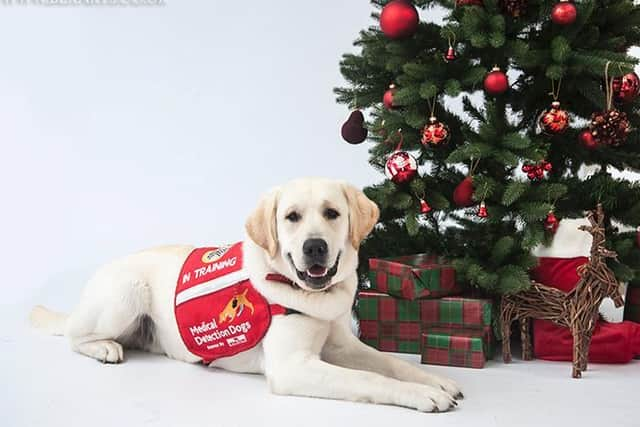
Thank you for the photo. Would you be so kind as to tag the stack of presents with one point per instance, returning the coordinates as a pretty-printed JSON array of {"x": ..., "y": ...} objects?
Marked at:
[{"x": 415, "y": 305}]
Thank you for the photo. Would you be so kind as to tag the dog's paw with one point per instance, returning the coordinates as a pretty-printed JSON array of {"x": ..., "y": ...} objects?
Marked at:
[
  {"x": 105, "y": 351},
  {"x": 446, "y": 385},
  {"x": 431, "y": 399}
]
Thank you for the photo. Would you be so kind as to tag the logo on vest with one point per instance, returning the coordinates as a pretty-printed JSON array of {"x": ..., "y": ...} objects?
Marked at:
[
  {"x": 214, "y": 255},
  {"x": 235, "y": 307}
]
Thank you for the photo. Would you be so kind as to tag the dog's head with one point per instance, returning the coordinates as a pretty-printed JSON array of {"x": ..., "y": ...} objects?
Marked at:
[{"x": 312, "y": 228}]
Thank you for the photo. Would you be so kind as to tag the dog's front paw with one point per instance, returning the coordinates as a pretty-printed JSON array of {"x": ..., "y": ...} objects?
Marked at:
[
  {"x": 445, "y": 384},
  {"x": 431, "y": 399}
]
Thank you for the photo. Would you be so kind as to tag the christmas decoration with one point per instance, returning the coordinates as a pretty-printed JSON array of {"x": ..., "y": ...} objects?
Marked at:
[
  {"x": 564, "y": 13},
  {"x": 399, "y": 19},
  {"x": 424, "y": 207},
  {"x": 353, "y": 130},
  {"x": 463, "y": 193},
  {"x": 626, "y": 88},
  {"x": 610, "y": 343},
  {"x": 515, "y": 8},
  {"x": 554, "y": 120},
  {"x": 587, "y": 139},
  {"x": 610, "y": 127},
  {"x": 460, "y": 3},
  {"x": 387, "y": 99},
  {"x": 435, "y": 133},
  {"x": 536, "y": 172},
  {"x": 450, "y": 55},
  {"x": 496, "y": 82},
  {"x": 576, "y": 310},
  {"x": 482, "y": 210},
  {"x": 413, "y": 276},
  {"x": 467, "y": 348},
  {"x": 551, "y": 223},
  {"x": 401, "y": 167}
]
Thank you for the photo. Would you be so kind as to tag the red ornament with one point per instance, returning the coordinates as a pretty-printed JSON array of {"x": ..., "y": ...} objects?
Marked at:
[
  {"x": 536, "y": 172},
  {"x": 424, "y": 207},
  {"x": 564, "y": 13},
  {"x": 610, "y": 127},
  {"x": 463, "y": 194},
  {"x": 482, "y": 210},
  {"x": 387, "y": 99},
  {"x": 450, "y": 55},
  {"x": 626, "y": 88},
  {"x": 401, "y": 167},
  {"x": 399, "y": 19},
  {"x": 496, "y": 82},
  {"x": 555, "y": 120},
  {"x": 551, "y": 223},
  {"x": 353, "y": 130},
  {"x": 587, "y": 140},
  {"x": 435, "y": 133}
]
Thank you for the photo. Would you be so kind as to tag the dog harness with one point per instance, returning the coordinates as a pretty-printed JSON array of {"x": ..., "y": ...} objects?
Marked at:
[{"x": 218, "y": 311}]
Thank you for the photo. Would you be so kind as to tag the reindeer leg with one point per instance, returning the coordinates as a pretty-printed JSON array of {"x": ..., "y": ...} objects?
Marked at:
[
  {"x": 506, "y": 337},
  {"x": 577, "y": 346},
  {"x": 525, "y": 335},
  {"x": 586, "y": 342}
]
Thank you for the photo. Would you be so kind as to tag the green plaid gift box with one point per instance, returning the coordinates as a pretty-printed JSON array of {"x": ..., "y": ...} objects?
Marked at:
[
  {"x": 632, "y": 303},
  {"x": 413, "y": 276},
  {"x": 457, "y": 312},
  {"x": 455, "y": 347}
]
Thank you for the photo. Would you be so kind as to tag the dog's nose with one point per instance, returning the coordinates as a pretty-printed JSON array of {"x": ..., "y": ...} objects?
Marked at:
[{"x": 315, "y": 250}]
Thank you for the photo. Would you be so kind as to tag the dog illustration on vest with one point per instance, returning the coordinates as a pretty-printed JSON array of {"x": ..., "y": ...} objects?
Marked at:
[{"x": 235, "y": 307}]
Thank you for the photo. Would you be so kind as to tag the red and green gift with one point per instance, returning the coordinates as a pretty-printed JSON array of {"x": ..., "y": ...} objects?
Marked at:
[
  {"x": 413, "y": 276},
  {"x": 455, "y": 347}
]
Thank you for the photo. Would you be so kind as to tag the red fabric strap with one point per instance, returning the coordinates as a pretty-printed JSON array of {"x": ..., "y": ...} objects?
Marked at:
[{"x": 277, "y": 309}]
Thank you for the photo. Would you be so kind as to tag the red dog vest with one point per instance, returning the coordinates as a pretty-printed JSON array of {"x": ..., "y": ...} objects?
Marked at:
[{"x": 218, "y": 311}]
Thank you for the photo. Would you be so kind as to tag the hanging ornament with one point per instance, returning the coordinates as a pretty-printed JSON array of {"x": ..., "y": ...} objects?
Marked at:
[
  {"x": 463, "y": 193},
  {"x": 496, "y": 82},
  {"x": 435, "y": 133},
  {"x": 353, "y": 130},
  {"x": 564, "y": 13},
  {"x": 460, "y": 3},
  {"x": 399, "y": 19},
  {"x": 587, "y": 140},
  {"x": 551, "y": 223},
  {"x": 609, "y": 127},
  {"x": 515, "y": 8},
  {"x": 554, "y": 120},
  {"x": 536, "y": 171},
  {"x": 400, "y": 167},
  {"x": 424, "y": 207},
  {"x": 387, "y": 98},
  {"x": 482, "y": 210},
  {"x": 451, "y": 53},
  {"x": 626, "y": 88}
]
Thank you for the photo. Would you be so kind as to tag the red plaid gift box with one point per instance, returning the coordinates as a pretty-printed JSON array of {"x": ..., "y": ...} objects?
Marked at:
[
  {"x": 413, "y": 276},
  {"x": 455, "y": 347}
]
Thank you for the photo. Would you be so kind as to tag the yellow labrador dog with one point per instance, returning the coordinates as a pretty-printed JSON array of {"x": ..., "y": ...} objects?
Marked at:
[{"x": 309, "y": 231}]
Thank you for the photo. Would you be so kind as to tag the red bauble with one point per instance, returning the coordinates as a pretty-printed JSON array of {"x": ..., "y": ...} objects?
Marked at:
[
  {"x": 435, "y": 133},
  {"x": 496, "y": 82},
  {"x": 551, "y": 223},
  {"x": 353, "y": 130},
  {"x": 555, "y": 120},
  {"x": 387, "y": 98},
  {"x": 424, "y": 207},
  {"x": 399, "y": 18},
  {"x": 401, "y": 167},
  {"x": 463, "y": 194},
  {"x": 482, "y": 210},
  {"x": 564, "y": 13},
  {"x": 626, "y": 88},
  {"x": 450, "y": 55},
  {"x": 536, "y": 172},
  {"x": 587, "y": 140}
]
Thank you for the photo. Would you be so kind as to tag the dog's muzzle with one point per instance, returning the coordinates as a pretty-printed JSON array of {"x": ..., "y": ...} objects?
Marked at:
[{"x": 316, "y": 276}]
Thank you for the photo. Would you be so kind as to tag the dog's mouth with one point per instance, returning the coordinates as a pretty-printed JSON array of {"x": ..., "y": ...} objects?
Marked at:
[{"x": 317, "y": 276}]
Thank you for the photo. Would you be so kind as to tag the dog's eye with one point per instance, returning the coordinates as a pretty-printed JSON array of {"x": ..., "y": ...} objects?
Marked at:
[
  {"x": 293, "y": 216},
  {"x": 331, "y": 213}
]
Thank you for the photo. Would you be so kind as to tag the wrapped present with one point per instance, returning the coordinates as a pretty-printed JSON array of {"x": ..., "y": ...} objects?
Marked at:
[
  {"x": 632, "y": 303},
  {"x": 486, "y": 334},
  {"x": 393, "y": 324},
  {"x": 413, "y": 276},
  {"x": 455, "y": 347}
]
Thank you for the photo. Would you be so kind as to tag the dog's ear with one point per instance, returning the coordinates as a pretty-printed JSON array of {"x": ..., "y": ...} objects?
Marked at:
[
  {"x": 261, "y": 225},
  {"x": 363, "y": 214}
]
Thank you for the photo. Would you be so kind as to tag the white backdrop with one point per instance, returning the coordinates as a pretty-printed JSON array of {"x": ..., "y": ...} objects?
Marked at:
[{"x": 123, "y": 128}]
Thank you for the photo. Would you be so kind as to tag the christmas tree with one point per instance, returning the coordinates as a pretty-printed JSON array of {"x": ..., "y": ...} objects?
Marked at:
[{"x": 545, "y": 87}]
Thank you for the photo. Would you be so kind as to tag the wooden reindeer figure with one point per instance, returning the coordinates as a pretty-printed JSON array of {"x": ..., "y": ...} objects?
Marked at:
[{"x": 577, "y": 310}]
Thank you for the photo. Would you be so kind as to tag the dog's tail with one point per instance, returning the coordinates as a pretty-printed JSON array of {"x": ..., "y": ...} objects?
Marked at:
[{"x": 48, "y": 321}]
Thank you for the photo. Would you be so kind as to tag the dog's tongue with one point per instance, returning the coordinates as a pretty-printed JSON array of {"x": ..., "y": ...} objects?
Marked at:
[{"x": 317, "y": 271}]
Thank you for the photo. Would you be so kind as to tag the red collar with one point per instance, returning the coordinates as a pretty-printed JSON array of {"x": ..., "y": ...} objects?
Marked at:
[{"x": 276, "y": 277}]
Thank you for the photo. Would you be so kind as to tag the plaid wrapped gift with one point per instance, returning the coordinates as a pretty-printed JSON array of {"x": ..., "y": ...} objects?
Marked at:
[
  {"x": 413, "y": 276},
  {"x": 457, "y": 312},
  {"x": 455, "y": 347},
  {"x": 632, "y": 303}
]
